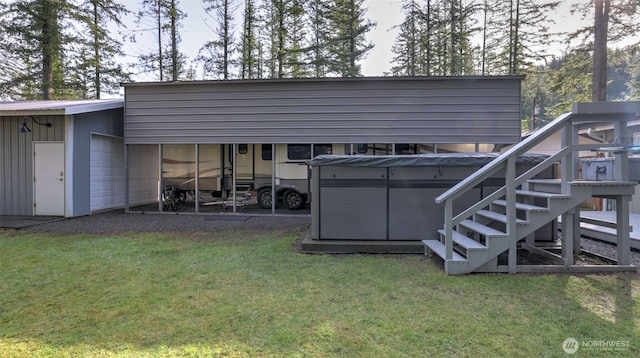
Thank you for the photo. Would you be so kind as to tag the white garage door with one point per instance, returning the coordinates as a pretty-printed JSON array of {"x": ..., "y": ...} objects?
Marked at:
[{"x": 107, "y": 172}]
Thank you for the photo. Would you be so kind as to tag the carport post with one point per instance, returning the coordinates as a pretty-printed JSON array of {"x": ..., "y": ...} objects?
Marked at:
[
  {"x": 196, "y": 195},
  {"x": 126, "y": 178},
  {"x": 274, "y": 195},
  {"x": 234, "y": 176},
  {"x": 160, "y": 178}
]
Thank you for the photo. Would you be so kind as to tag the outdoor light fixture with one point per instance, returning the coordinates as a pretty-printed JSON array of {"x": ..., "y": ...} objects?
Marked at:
[{"x": 25, "y": 129}]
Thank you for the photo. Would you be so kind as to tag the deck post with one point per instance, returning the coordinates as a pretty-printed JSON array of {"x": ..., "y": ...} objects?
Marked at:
[
  {"x": 622, "y": 220},
  {"x": 568, "y": 237},
  {"x": 512, "y": 229}
]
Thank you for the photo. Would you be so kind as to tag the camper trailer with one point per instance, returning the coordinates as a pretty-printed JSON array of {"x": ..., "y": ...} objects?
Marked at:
[{"x": 252, "y": 166}]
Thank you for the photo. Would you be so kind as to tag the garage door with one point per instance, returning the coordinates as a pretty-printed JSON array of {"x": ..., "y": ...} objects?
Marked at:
[{"x": 107, "y": 172}]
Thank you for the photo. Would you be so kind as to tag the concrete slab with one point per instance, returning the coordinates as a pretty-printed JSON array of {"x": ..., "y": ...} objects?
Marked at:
[{"x": 21, "y": 222}]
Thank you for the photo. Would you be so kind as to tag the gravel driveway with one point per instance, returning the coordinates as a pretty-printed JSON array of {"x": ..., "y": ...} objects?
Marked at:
[{"x": 121, "y": 222}]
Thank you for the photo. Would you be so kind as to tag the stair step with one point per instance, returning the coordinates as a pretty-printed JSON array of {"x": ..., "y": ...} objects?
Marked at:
[
  {"x": 482, "y": 229},
  {"x": 545, "y": 181},
  {"x": 440, "y": 249},
  {"x": 499, "y": 217},
  {"x": 522, "y": 206},
  {"x": 464, "y": 241},
  {"x": 542, "y": 194}
]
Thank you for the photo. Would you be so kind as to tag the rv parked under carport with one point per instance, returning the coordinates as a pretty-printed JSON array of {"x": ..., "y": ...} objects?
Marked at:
[{"x": 210, "y": 121}]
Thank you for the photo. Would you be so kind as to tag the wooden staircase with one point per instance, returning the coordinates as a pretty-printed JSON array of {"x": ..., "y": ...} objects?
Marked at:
[{"x": 481, "y": 237}]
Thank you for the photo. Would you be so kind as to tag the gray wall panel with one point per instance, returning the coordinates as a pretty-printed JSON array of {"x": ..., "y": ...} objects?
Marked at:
[
  {"x": 16, "y": 161},
  {"x": 392, "y": 109},
  {"x": 349, "y": 213}
]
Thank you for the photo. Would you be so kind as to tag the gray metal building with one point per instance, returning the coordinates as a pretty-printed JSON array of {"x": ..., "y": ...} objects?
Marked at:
[
  {"x": 72, "y": 167},
  {"x": 328, "y": 110},
  {"x": 459, "y": 113}
]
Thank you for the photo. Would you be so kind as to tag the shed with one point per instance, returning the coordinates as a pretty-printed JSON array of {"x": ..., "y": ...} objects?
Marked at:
[
  {"x": 377, "y": 198},
  {"x": 61, "y": 158}
]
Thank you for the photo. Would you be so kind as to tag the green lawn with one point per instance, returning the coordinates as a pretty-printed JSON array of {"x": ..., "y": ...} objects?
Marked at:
[{"x": 242, "y": 294}]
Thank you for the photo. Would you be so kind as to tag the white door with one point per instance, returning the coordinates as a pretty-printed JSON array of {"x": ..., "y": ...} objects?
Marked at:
[
  {"x": 107, "y": 173},
  {"x": 49, "y": 177}
]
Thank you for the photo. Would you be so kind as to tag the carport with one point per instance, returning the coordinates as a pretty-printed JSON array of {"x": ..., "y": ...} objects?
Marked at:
[{"x": 201, "y": 136}]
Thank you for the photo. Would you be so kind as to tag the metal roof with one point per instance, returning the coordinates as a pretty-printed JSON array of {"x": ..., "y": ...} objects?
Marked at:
[
  {"x": 62, "y": 107},
  {"x": 325, "y": 79}
]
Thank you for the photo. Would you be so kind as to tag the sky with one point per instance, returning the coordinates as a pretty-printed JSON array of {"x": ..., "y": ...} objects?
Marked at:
[{"x": 385, "y": 13}]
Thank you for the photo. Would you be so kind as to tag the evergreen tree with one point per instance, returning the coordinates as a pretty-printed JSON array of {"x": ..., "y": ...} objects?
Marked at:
[
  {"x": 613, "y": 22},
  {"x": 318, "y": 11},
  {"x": 39, "y": 46},
  {"x": 517, "y": 34},
  {"x": 250, "y": 63},
  {"x": 347, "y": 43},
  {"x": 217, "y": 55},
  {"x": 285, "y": 39},
  {"x": 165, "y": 16},
  {"x": 407, "y": 44},
  {"x": 98, "y": 68}
]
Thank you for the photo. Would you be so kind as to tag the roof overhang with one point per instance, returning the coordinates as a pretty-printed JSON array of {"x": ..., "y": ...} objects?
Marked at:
[
  {"x": 62, "y": 107},
  {"x": 326, "y": 79}
]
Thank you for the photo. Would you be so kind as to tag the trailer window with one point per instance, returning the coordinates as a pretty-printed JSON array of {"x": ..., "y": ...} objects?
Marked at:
[
  {"x": 266, "y": 152},
  {"x": 320, "y": 149},
  {"x": 303, "y": 151},
  {"x": 298, "y": 151}
]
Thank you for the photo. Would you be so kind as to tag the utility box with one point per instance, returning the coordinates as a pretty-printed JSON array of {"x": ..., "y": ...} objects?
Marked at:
[
  {"x": 393, "y": 197},
  {"x": 603, "y": 168}
]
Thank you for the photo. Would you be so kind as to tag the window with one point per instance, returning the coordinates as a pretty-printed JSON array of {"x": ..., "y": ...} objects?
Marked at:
[
  {"x": 363, "y": 148},
  {"x": 303, "y": 151},
  {"x": 243, "y": 148},
  {"x": 299, "y": 151},
  {"x": 266, "y": 152},
  {"x": 321, "y": 149}
]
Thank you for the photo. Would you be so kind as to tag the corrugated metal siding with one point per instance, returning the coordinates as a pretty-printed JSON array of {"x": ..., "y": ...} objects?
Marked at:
[
  {"x": 16, "y": 181},
  {"x": 380, "y": 110}
]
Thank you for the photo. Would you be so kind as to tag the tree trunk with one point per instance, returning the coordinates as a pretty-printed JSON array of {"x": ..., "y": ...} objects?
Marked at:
[
  {"x": 96, "y": 50},
  {"x": 49, "y": 48},
  {"x": 174, "y": 42},
  {"x": 599, "y": 80}
]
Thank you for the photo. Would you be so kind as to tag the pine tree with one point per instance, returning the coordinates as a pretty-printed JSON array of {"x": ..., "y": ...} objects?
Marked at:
[
  {"x": 406, "y": 45},
  {"x": 98, "y": 68},
  {"x": 613, "y": 22},
  {"x": 166, "y": 17},
  {"x": 39, "y": 47},
  {"x": 250, "y": 48},
  {"x": 317, "y": 11},
  {"x": 217, "y": 55},
  {"x": 347, "y": 43}
]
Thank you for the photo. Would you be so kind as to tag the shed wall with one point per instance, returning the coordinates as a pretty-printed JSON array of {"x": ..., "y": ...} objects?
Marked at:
[
  {"x": 373, "y": 110},
  {"x": 103, "y": 122},
  {"x": 16, "y": 160}
]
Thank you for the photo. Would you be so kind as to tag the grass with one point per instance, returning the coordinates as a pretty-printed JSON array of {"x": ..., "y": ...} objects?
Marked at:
[{"x": 238, "y": 294}]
